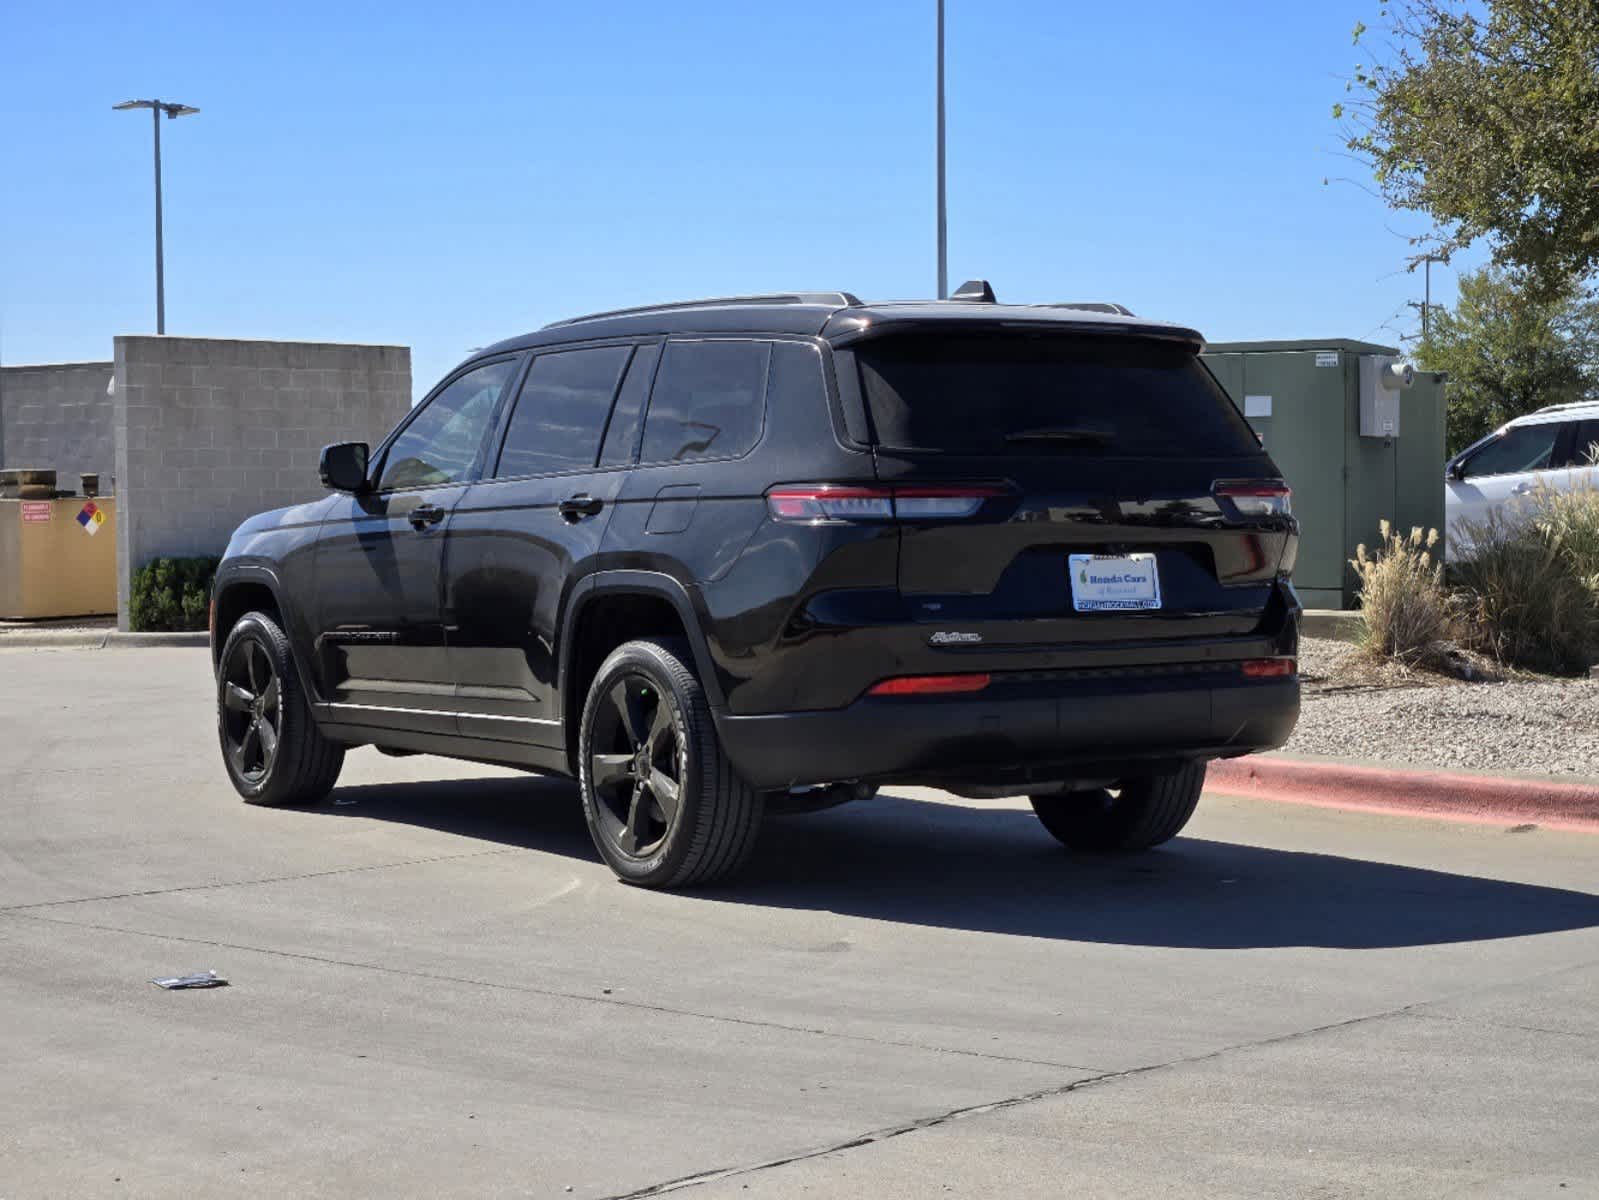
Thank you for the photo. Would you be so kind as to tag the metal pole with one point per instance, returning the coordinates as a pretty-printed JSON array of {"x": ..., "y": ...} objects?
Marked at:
[
  {"x": 943, "y": 230},
  {"x": 1426, "y": 304},
  {"x": 160, "y": 281}
]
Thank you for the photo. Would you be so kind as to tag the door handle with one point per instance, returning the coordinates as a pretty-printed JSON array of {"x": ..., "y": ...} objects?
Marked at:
[
  {"x": 1522, "y": 489},
  {"x": 575, "y": 508},
  {"x": 424, "y": 515}
]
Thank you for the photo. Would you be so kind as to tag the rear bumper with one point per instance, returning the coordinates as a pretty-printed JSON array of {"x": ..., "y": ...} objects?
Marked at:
[{"x": 1031, "y": 725}]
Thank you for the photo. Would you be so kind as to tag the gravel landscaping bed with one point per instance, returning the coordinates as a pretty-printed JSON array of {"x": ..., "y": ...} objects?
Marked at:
[{"x": 1541, "y": 726}]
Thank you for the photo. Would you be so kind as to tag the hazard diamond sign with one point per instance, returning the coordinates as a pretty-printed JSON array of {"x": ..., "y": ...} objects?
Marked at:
[{"x": 91, "y": 518}]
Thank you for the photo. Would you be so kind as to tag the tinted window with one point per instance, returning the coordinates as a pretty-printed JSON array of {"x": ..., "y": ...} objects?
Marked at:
[
  {"x": 561, "y": 411},
  {"x": 621, "y": 436},
  {"x": 708, "y": 401},
  {"x": 1523, "y": 448},
  {"x": 1045, "y": 395},
  {"x": 441, "y": 443},
  {"x": 1585, "y": 445}
]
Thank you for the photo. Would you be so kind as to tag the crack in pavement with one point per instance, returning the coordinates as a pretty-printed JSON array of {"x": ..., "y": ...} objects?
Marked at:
[
  {"x": 551, "y": 993},
  {"x": 974, "y": 1110},
  {"x": 1431, "y": 1016},
  {"x": 210, "y": 887}
]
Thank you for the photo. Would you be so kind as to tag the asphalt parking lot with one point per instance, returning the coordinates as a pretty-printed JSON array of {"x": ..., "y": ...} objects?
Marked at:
[{"x": 438, "y": 990}]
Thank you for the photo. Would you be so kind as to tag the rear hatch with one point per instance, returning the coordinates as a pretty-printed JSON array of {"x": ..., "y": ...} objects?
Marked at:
[{"x": 1116, "y": 494}]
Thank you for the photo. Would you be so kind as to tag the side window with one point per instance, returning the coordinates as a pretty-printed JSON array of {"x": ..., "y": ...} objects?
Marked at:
[
  {"x": 560, "y": 413},
  {"x": 441, "y": 443},
  {"x": 1523, "y": 448},
  {"x": 1585, "y": 444},
  {"x": 708, "y": 401},
  {"x": 621, "y": 437}
]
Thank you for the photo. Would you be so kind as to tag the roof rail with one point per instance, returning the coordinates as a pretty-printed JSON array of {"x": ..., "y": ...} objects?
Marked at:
[
  {"x": 1099, "y": 306},
  {"x": 1564, "y": 407},
  {"x": 835, "y": 299}
]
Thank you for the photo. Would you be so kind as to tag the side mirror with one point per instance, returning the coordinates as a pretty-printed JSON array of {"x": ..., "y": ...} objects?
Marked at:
[
  {"x": 343, "y": 466},
  {"x": 1456, "y": 471}
]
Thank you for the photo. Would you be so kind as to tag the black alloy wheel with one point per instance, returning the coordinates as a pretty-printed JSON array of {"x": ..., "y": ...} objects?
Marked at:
[
  {"x": 252, "y": 712},
  {"x": 662, "y": 802},
  {"x": 273, "y": 750},
  {"x": 637, "y": 764}
]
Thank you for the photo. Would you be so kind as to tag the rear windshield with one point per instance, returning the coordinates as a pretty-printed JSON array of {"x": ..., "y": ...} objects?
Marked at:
[{"x": 1040, "y": 395}]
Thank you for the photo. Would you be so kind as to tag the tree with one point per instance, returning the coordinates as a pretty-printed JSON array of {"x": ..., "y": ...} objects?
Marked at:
[
  {"x": 1484, "y": 115},
  {"x": 1509, "y": 351}
]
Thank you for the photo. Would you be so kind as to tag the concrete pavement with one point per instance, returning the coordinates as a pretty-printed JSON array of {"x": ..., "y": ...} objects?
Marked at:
[{"x": 438, "y": 990}]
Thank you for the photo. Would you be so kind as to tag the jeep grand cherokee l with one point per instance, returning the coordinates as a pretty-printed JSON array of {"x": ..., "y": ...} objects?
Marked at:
[{"x": 711, "y": 557}]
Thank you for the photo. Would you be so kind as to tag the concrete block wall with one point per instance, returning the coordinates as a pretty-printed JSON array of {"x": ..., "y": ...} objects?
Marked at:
[
  {"x": 210, "y": 431},
  {"x": 58, "y": 416}
]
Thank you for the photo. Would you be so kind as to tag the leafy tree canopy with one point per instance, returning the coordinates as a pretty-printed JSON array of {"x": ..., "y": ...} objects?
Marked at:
[
  {"x": 1509, "y": 352},
  {"x": 1484, "y": 115}
]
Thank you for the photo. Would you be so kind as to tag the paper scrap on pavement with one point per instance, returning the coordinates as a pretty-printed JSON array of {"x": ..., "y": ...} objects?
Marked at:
[{"x": 200, "y": 979}]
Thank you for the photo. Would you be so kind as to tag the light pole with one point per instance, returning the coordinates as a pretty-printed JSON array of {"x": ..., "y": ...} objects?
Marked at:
[
  {"x": 943, "y": 231},
  {"x": 173, "y": 112}
]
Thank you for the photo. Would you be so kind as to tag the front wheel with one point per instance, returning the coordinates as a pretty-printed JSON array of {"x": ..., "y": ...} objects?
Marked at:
[
  {"x": 271, "y": 746},
  {"x": 1142, "y": 812},
  {"x": 663, "y": 804}
]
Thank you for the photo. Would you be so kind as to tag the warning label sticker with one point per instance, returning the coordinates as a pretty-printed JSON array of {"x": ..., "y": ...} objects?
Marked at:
[
  {"x": 37, "y": 510},
  {"x": 91, "y": 518}
]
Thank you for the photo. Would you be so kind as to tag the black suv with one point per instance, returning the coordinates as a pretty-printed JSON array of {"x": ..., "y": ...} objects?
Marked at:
[{"x": 718, "y": 558}]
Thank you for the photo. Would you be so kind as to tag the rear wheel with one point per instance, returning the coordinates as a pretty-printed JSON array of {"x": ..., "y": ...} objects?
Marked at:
[
  {"x": 271, "y": 746},
  {"x": 663, "y": 804},
  {"x": 1142, "y": 812}
]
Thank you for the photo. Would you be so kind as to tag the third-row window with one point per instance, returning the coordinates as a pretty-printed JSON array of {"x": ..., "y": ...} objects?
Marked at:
[{"x": 708, "y": 401}]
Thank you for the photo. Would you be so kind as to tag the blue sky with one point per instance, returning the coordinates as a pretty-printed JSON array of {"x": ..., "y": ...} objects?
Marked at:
[{"x": 442, "y": 176}]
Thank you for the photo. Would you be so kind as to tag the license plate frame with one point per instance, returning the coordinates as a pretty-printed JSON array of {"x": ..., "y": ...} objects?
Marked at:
[{"x": 1140, "y": 593}]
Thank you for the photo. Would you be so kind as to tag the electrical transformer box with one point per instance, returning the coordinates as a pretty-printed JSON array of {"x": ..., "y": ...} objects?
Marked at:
[{"x": 1358, "y": 433}]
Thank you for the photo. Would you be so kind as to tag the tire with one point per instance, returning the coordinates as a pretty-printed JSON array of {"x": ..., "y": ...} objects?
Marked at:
[
  {"x": 646, "y": 717},
  {"x": 271, "y": 747},
  {"x": 1141, "y": 813}
]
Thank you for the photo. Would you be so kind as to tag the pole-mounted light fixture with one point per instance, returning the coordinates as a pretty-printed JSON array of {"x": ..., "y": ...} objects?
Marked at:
[{"x": 173, "y": 111}]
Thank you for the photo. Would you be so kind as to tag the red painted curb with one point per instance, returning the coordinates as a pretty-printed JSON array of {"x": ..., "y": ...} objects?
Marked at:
[{"x": 1414, "y": 793}]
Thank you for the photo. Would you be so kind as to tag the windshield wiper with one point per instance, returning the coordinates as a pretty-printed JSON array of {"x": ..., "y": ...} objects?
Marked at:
[{"x": 1081, "y": 436}]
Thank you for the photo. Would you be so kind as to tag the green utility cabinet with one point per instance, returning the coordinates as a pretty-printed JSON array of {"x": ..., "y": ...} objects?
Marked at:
[{"x": 1357, "y": 433}]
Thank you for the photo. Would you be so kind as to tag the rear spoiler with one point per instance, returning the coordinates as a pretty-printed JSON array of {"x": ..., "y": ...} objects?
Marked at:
[{"x": 851, "y": 327}]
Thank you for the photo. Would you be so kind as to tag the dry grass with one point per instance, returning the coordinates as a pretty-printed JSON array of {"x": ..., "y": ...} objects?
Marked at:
[
  {"x": 1409, "y": 621},
  {"x": 1529, "y": 593},
  {"x": 1569, "y": 520}
]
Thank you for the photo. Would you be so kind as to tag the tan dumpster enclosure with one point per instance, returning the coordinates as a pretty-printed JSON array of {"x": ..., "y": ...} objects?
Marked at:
[{"x": 58, "y": 558}]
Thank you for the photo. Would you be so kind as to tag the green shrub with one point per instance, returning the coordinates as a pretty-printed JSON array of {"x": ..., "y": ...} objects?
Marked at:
[
  {"x": 1403, "y": 598},
  {"x": 171, "y": 594},
  {"x": 1519, "y": 594}
]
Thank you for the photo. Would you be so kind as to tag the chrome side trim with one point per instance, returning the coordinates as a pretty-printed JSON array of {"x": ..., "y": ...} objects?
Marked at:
[{"x": 338, "y": 708}]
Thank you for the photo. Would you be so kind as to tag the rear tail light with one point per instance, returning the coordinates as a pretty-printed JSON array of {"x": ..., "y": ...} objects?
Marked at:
[
  {"x": 929, "y": 685},
  {"x": 837, "y": 502},
  {"x": 1256, "y": 497},
  {"x": 831, "y": 504},
  {"x": 1269, "y": 668},
  {"x": 940, "y": 503}
]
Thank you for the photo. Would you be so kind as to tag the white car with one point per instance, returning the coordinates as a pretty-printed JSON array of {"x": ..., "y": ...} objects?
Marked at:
[{"x": 1554, "y": 447}]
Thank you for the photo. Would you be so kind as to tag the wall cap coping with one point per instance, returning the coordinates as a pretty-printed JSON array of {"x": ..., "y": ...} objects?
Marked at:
[
  {"x": 108, "y": 364},
  {"x": 185, "y": 337}
]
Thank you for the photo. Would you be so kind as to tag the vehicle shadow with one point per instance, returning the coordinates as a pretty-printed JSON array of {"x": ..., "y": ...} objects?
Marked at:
[{"x": 997, "y": 871}]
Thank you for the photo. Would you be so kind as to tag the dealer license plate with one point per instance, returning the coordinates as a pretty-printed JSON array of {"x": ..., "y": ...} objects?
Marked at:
[{"x": 1114, "y": 582}]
